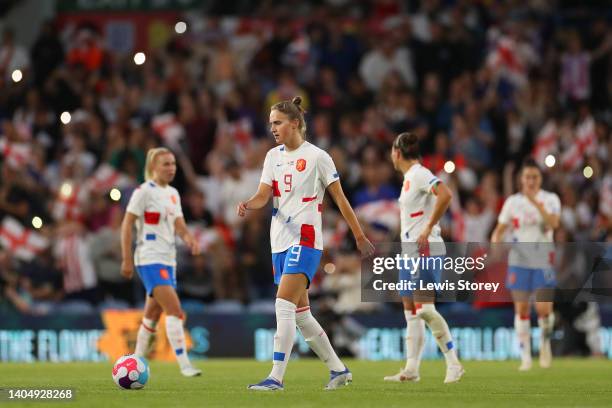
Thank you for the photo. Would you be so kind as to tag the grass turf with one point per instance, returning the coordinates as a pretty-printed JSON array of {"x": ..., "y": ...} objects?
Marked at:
[{"x": 569, "y": 383}]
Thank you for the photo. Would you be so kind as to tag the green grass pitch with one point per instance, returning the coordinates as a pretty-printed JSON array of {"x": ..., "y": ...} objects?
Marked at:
[{"x": 569, "y": 383}]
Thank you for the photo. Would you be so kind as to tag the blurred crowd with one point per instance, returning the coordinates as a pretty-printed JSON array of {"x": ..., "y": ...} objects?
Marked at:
[{"x": 483, "y": 84}]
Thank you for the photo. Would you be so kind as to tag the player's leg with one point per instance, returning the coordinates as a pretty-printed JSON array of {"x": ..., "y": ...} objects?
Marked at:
[
  {"x": 415, "y": 342},
  {"x": 318, "y": 341},
  {"x": 290, "y": 290},
  {"x": 520, "y": 283},
  {"x": 546, "y": 322},
  {"x": 315, "y": 336},
  {"x": 146, "y": 332},
  {"x": 167, "y": 298},
  {"x": 522, "y": 327},
  {"x": 426, "y": 310}
]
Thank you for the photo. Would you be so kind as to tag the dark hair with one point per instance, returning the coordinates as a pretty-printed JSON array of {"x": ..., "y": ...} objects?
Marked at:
[
  {"x": 530, "y": 162},
  {"x": 293, "y": 109},
  {"x": 408, "y": 145}
]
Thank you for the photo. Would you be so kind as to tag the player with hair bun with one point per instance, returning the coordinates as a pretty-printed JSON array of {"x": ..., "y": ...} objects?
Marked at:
[
  {"x": 423, "y": 201},
  {"x": 155, "y": 209},
  {"x": 296, "y": 175}
]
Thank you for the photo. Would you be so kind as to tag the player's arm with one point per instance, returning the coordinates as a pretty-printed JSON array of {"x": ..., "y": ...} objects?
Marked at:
[
  {"x": 443, "y": 199},
  {"x": 498, "y": 232},
  {"x": 257, "y": 201},
  {"x": 182, "y": 231},
  {"x": 363, "y": 243},
  {"x": 127, "y": 263}
]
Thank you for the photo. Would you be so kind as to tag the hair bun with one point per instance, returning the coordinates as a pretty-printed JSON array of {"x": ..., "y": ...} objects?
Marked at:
[
  {"x": 412, "y": 138},
  {"x": 297, "y": 101}
]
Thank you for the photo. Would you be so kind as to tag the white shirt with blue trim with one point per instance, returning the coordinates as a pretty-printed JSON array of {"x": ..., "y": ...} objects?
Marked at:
[
  {"x": 417, "y": 201},
  {"x": 157, "y": 208},
  {"x": 298, "y": 180}
]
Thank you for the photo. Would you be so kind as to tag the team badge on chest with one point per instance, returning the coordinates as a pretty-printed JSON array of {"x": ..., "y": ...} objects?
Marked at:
[{"x": 300, "y": 165}]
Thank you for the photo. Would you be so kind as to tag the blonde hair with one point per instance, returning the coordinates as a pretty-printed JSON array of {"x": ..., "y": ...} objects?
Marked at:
[{"x": 151, "y": 156}]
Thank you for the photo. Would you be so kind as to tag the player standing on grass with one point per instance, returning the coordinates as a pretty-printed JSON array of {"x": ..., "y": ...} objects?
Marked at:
[
  {"x": 423, "y": 201},
  {"x": 155, "y": 208},
  {"x": 296, "y": 174},
  {"x": 533, "y": 214}
]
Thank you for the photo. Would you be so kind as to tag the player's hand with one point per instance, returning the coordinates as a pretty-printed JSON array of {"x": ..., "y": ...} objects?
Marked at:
[
  {"x": 365, "y": 246},
  {"x": 241, "y": 209},
  {"x": 532, "y": 199},
  {"x": 193, "y": 245},
  {"x": 127, "y": 269},
  {"x": 423, "y": 239}
]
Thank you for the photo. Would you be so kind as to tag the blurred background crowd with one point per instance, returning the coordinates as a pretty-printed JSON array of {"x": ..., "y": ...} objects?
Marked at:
[{"x": 483, "y": 83}]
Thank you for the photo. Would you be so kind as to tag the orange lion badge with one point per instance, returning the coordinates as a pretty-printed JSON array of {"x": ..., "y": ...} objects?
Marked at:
[{"x": 300, "y": 165}]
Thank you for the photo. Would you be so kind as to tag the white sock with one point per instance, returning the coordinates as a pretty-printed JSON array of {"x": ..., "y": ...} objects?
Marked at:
[
  {"x": 522, "y": 327},
  {"x": 284, "y": 337},
  {"x": 415, "y": 341},
  {"x": 176, "y": 337},
  {"x": 546, "y": 325},
  {"x": 317, "y": 339},
  {"x": 145, "y": 332},
  {"x": 439, "y": 329}
]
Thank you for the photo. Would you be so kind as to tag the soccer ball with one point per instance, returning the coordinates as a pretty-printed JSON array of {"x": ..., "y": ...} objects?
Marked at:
[{"x": 131, "y": 372}]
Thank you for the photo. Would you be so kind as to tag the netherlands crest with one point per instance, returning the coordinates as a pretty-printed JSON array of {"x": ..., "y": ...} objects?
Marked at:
[{"x": 300, "y": 165}]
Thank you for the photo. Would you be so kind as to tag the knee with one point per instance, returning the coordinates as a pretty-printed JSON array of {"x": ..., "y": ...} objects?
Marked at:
[
  {"x": 522, "y": 309},
  {"x": 285, "y": 310},
  {"x": 426, "y": 311}
]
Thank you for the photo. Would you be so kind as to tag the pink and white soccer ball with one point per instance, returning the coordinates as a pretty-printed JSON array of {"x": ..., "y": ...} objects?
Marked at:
[{"x": 131, "y": 372}]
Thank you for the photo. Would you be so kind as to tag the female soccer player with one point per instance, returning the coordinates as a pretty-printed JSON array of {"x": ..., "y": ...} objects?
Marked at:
[
  {"x": 296, "y": 174},
  {"x": 423, "y": 201},
  {"x": 533, "y": 214},
  {"x": 155, "y": 208}
]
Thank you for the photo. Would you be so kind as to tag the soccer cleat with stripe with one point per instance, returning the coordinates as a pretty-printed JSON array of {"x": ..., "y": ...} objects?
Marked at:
[
  {"x": 269, "y": 384},
  {"x": 190, "y": 371},
  {"x": 454, "y": 374},
  {"x": 339, "y": 379},
  {"x": 403, "y": 376},
  {"x": 525, "y": 364}
]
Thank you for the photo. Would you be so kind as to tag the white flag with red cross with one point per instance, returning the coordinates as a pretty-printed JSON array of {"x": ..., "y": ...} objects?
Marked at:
[{"x": 22, "y": 242}]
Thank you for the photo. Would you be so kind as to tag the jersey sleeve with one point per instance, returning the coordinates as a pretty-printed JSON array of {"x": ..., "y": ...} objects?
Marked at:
[
  {"x": 327, "y": 169},
  {"x": 505, "y": 216},
  {"x": 266, "y": 174},
  {"x": 553, "y": 204},
  {"x": 136, "y": 205},
  {"x": 179, "y": 206},
  {"x": 425, "y": 180}
]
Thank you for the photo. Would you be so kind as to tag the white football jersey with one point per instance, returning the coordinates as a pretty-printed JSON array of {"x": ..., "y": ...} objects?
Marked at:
[
  {"x": 416, "y": 202},
  {"x": 157, "y": 208},
  {"x": 298, "y": 180},
  {"x": 527, "y": 226}
]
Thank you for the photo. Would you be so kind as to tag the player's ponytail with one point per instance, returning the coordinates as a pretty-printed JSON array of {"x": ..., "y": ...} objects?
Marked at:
[
  {"x": 151, "y": 156},
  {"x": 408, "y": 145},
  {"x": 293, "y": 109}
]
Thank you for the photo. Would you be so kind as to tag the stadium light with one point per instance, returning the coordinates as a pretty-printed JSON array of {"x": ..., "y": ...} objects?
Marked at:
[
  {"x": 37, "y": 222},
  {"x": 66, "y": 190},
  {"x": 587, "y": 172},
  {"x": 65, "y": 117},
  {"x": 449, "y": 166},
  {"x": 139, "y": 58},
  {"x": 550, "y": 160},
  {"x": 329, "y": 268},
  {"x": 115, "y": 194},
  {"x": 180, "y": 27},
  {"x": 17, "y": 75}
]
